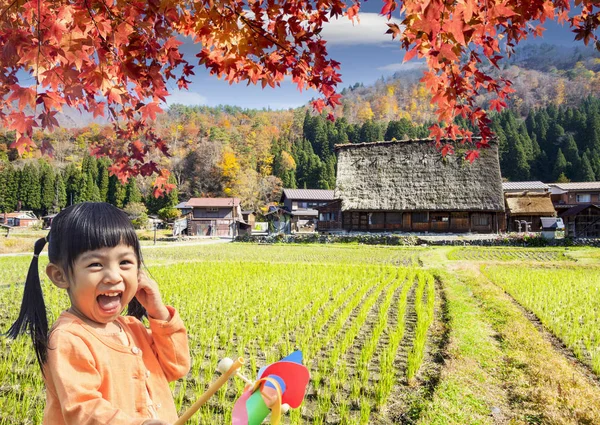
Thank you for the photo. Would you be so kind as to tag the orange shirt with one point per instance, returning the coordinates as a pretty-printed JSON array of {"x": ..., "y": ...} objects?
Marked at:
[{"x": 92, "y": 379}]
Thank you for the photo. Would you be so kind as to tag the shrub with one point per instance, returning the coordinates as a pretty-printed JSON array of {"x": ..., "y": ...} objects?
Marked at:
[{"x": 169, "y": 214}]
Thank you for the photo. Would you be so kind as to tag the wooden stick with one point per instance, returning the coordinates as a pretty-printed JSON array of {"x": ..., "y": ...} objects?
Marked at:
[{"x": 214, "y": 387}]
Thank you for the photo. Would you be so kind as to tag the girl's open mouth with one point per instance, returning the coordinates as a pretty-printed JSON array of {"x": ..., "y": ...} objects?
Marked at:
[{"x": 110, "y": 302}]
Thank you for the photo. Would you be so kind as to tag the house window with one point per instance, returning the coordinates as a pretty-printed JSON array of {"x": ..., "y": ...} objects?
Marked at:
[
  {"x": 439, "y": 218},
  {"x": 420, "y": 217},
  {"x": 584, "y": 197},
  {"x": 212, "y": 209},
  {"x": 377, "y": 218},
  {"x": 481, "y": 220},
  {"x": 393, "y": 218}
]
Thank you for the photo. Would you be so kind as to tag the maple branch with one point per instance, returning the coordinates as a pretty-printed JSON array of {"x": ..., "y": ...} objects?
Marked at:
[
  {"x": 258, "y": 30},
  {"x": 87, "y": 6},
  {"x": 37, "y": 61}
]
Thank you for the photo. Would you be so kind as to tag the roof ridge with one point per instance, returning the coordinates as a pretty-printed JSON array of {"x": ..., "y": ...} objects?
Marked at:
[{"x": 388, "y": 142}]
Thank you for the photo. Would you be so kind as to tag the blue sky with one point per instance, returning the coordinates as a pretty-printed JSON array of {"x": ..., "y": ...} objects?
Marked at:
[{"x": 366, "y": 53}]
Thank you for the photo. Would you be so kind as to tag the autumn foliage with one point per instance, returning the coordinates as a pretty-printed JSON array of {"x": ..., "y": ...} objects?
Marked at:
[{"x": 114, "y": 58}]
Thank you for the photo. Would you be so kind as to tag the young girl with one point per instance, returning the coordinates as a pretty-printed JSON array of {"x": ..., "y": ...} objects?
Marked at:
[{"x": 101, "y": 367}]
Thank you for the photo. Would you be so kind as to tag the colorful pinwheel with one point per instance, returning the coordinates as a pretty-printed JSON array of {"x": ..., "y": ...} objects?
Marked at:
[{"x": 279, "y": 384}]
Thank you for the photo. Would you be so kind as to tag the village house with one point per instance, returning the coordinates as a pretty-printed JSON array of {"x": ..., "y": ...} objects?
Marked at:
[
  {"x": 568, "y": 195},
  {"x": 212, "y": 216},
  {"x": 582, "y": 221},
  {"x": 19, "y": 219},
  {"x": 303, "y": 204},
  {"x": 578, "y": 204},
  {"x": 407, "y": 186},
  {"x": 525, "y": 210},
  {"x": 527, "y": 203}
]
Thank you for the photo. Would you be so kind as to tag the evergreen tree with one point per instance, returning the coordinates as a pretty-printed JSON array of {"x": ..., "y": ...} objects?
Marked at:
[
  {"x": 320, "y": 143},
  {"x": 586, "y": 174},
  {"x": 116, "y": 192},
  {"x": 60, "y": 192},
  {"x": 47, "y": 182},
  {"x": 369, "y": 132},
  {"x": 560, "y": 165},
  {"x": 103, "y": 179},
  {"x": 74, "y": 184},
  {"x": 3, "y": 179},
  {"x": 572, "y": 156},
  {"x": 30, "y": 189},
  {"x": 91, "y": 189},
  {"x": 398, "y": 130},
  {"x": 90, "y": 166},
  {"x": 132, "y": 192},
  {"x": 353, "y": 132},
  {"x": 540, "y": 168},
  {"x": 10, "y": 186}
]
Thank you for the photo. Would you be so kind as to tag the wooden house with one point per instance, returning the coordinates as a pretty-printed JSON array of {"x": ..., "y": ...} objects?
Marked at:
[
  {"x": 19, "y": 219},
  {"x": 408, "y": 186},
  {"x": 524, "y": 210},
  {"x": 212, "y": 216},
  {"x": 304, "y": 199},
  {"x": 582, "y": 221},
  {"x": 303, "y": 204},
  {"x": 568, "y": 195}
]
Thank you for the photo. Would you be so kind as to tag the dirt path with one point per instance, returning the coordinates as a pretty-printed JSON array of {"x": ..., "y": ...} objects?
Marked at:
[{"x": 527, "y": 375}]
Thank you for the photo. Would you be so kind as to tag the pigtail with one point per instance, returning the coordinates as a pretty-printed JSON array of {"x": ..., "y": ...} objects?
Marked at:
[
  {"x": 135, "y": 309},
  {"x": 32, "y": 317}
]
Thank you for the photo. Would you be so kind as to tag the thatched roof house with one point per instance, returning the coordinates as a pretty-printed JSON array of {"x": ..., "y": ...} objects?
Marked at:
[
  {"x": 529, "y": 207},
  {"x": 407, "y": 185}
]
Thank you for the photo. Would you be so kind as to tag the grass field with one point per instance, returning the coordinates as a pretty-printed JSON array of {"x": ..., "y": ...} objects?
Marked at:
[{"x": 390, "y": 335}]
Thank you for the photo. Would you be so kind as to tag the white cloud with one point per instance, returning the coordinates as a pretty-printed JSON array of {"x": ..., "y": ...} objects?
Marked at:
[
  {"x": 407, "y": 66},
  {"x": 185, "y": 97},
  {"x": 370, "y": 30}
]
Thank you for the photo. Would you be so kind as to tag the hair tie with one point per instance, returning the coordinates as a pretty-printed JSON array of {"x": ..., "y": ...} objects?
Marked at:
[{"x": 36, "y": 255}]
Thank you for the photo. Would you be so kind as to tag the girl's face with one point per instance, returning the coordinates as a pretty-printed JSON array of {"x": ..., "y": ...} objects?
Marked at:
[{"x": 103, "y": 282}]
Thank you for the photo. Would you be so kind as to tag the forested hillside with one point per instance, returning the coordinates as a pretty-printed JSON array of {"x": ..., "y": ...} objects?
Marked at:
[{"x": 550, "y": 132}]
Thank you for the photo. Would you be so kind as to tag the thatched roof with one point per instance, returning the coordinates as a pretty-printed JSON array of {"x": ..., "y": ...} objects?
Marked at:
[
  {"x": 529, "y": 203},
  {"x": 412, "y": 176}
]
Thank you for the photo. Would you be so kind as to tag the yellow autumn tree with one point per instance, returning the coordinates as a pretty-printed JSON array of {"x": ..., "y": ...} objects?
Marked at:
[
  {"x": 230, "y": 170},
  {"x": 287, "y": 161},
  {"x": 365, "y": 113}
]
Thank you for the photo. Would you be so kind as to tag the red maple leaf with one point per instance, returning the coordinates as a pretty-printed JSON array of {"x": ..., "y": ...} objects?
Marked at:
[
  {"x": 150, "y": 110},
  {"x": 471, "y": 155}
]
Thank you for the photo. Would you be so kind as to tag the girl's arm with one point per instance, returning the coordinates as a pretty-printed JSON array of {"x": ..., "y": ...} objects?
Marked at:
[
  {"x": 170, "y": 345},
  {"x": 73, "y": 380},
  {"x": 167, "y": 331}
]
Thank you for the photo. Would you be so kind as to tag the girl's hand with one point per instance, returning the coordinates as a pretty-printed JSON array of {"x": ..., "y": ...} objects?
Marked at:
[
  {"x": 155, "y": 422},
  {"x": 149, "y": 296}
]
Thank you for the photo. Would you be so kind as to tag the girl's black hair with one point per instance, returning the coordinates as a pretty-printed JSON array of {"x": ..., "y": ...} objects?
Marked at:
[{"x": 77, "y": 229}]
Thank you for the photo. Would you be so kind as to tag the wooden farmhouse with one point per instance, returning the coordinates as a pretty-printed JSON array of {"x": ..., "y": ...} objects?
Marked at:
[
  {"x": 582, "y": 221},
  {"x": 303, "y": 204},
  {"x": 527, "y": 202},
  {"x": 212, "y": 216},
  {"x": 578, "y": 204},
  {"x": 408, "y": 186},
  {"x": 19, "y": 219},
  {"x": 525, "y": 210}
]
